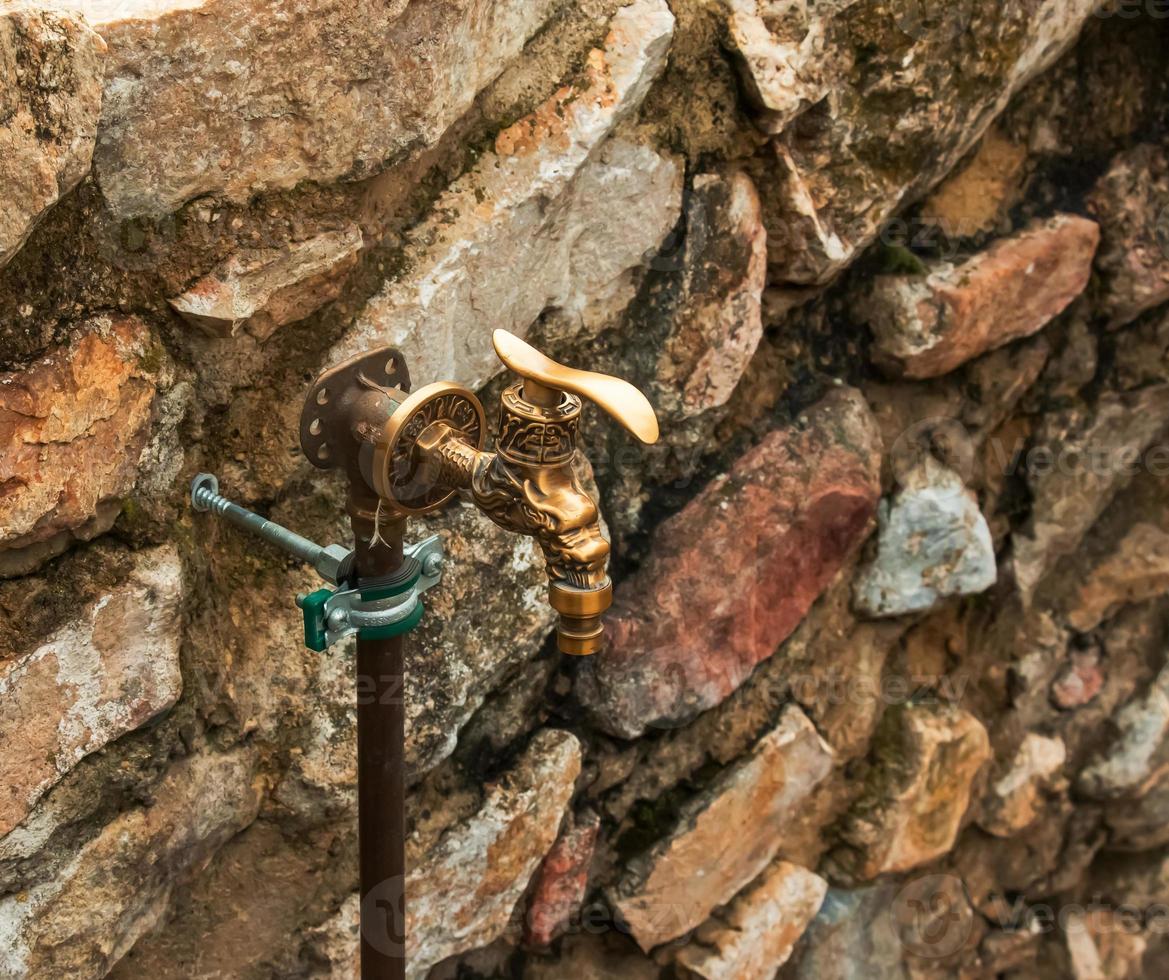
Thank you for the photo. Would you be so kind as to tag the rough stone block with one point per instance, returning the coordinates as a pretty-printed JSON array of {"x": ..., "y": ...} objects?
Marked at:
[
  {"x": 1131, "y": 202},
  {"x": 933, "y": 542},
  {"x": 1139, "y": 754},
  {"x": 79, "y": 923},
  {"x": 732, "y": 575},
  {"x": 554, "y": 219},
  {"x": 227, "y": 97},
  {"x": 51, "y": 65},
  {"x": 787, "y": 55},
  {"x": 463, "y": 895},
  {"x": 725, "y": 837},
  {"x": 1017, "y": 796},
  {"x": 927, "y": 81},
  {"x": 72, "y": 427},
  {"x": 561, "y": 883},
  {"x": 918, "y": 790},
  {"x": 926, "y": 326},
  {"x": 264, "y": 289},
  {"x": 754, "y": 937},
  {"x": 716, "y": 327},
  {"x": 1138, "y": 570},
  {"x": 1081, "y": 457},
  {"x": 106, "y": 673}
]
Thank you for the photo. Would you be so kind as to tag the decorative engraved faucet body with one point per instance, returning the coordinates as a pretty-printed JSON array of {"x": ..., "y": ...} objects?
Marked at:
[{"x": 433, "y": 445}]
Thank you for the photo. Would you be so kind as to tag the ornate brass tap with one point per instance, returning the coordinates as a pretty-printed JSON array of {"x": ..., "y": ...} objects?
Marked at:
[{"x": 432, "y": 447}]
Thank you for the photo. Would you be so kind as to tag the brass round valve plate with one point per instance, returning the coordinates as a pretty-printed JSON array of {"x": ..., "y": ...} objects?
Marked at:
[{"x": 395, "y": 463}]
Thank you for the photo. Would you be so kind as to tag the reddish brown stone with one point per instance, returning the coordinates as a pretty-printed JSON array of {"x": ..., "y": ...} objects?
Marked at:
[
  {"x": 1138, "y": 570},
  {"x": 72, "y": 427},
  {"x": 732, "y": 575},
  {"x": 268, "y": 288},
  {"x": 561, "y": 883},
  {"x": 926, "y": 326}
]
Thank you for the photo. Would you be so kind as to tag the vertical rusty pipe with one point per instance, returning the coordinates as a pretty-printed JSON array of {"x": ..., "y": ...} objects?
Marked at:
[{"x": 381, "y": 739}]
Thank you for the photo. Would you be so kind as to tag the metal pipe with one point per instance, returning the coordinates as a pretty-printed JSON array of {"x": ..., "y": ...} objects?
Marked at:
[
  {"x": 378, "y": 556},
  {"x": 381, "y": 756}
]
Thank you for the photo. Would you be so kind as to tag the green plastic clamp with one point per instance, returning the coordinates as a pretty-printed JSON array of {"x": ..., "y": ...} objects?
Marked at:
[
  {"x": 396, "y": 629},
  {"x": 312, "y": 608}
]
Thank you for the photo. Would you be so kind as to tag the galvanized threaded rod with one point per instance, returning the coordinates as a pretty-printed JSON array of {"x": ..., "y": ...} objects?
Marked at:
[{"x": 328, "y": 561}]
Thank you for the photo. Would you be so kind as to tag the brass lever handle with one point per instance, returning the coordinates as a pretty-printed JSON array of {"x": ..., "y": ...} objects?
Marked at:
[{"x": 544, "y": 378}]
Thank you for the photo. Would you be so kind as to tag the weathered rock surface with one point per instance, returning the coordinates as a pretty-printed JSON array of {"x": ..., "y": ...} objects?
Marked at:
[
  {"x": 264, "y": 289},
  {"x": 888, "y": 931},
  {"x": 1137, "y": 823},
  {"x": 50, "y": 100},
  {"x": 1131, "y": 202},
  {"x": 1139, "y": 754},
  {"x": 118, "y": 887},
  {"x": 101, "y": 676},
  {"x": 1080, "y": 680},
  {"x": 1081, "y": 457},
  {"x": 561, "y": 883},
  {"x": 725, "y": 837},
  {"x": 587, "y": 956},
  {"x": 926, "y": 326},
  {"x": 488, "y": 616},
  {"x": 918, "y": 791},
  {"x": 783, "y": 522},
  {"x": 852, "y": 938},
  {"x": 555, "y": 218},
  {"x": 975, "y": 197},
  {"x": 918, "y": 97},
  {"x": 462, "y": 891},
  {"x": 72, "y": 427},
  {"x": 1016, "y": 797},
  {"x": 1142, "y": 353},
  {"x": 622, "y": 225},
  {"x": 212, "y": 98},
  {"x": 785, "y": 57},
  {"x": 463, "y": 895},
  {"x": 932, "y": 542},
  {"x": 755, "y": 935},
  {"x": 1104, "y": 945},
  {"x": 337, "y": 941},
  {"x": 1138, "y": 570},
  {"x": 716, "y": 329}
]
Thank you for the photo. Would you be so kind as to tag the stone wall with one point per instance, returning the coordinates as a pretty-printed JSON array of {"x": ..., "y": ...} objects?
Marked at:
[{"x": 887, "y": 692}]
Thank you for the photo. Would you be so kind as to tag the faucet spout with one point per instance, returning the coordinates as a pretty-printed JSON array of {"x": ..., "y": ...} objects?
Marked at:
[{"x": 546, "y": 501}]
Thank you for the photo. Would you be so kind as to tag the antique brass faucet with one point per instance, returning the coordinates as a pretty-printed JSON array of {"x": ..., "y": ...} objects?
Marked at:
[
  {"x": 406, "y": 454},
  {"x": 432, "y": 445}
]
